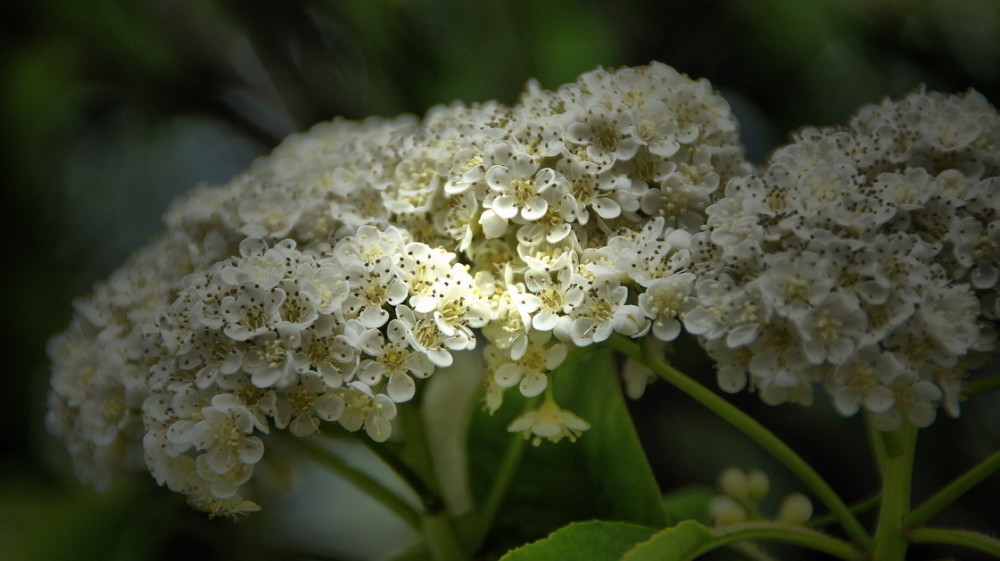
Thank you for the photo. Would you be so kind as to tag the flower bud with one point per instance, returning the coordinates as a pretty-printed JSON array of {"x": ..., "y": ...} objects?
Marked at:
[
  {"x": 725, "y": 511},
  {"x": 758, "y": 484},
  {"x": 795, "y": 509},
  {"x": 733, "y": 482}
]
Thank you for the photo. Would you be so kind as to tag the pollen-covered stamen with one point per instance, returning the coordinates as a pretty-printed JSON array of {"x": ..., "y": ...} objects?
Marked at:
[
  {"x": 861, "y": 377},
  {"x": 535, "y": 358},
  {"x": 273, "y": 353},
  {"x": 113, "y": 409},
  {"x": 797, "y": 291},
  {"x": 985, "y": 249},
  {"x": 295, "y": 308},
  {"x": 395, "y": 359},
  {"x": 583, "y": 190},
  {"x": 606, "y": 135},
  {"x": 229, "y": 435},
  {"x": 374, "y": 293},
  {"x": 826, "y": 326},
  {"x": 425, "y": 333},
  {"x": 602, "y": 310}
]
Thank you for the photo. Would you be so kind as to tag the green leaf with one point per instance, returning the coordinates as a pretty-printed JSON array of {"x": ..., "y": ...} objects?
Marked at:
[
  {"x": 583, "y": 541},
  {"x": 447, "y": 411},
  {"x": 624, "y": 487},
  {"x": 604, "y": 475},
  {"x": 679, "y": 543},
  {"x": 416, "y": 552},
  {"x": 689, "y": 540}
]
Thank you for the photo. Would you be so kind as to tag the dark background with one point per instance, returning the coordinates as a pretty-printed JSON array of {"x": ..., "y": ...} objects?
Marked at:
[{"x": 109, "y": 108}]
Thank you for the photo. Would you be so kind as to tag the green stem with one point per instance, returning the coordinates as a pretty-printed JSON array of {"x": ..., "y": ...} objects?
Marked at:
[
  {"x": 420, "y": 465},
  {"x": 441, "y": 541},
  {"x": 963, "y": 538},
  {"x": 756, "y": 431},
  {"x": 796, "y": 535},
  {"x": 371, "y": 486},
  {"x": 981, "y": 386},
  {"x": 501, "y": 484},
  {"x": 877, "y": 442},
  {"x": 750, "y": 551},
  {"x": 953, "y": 490},
  {"x": 860, "y": 508},
  {"x": 439, "y": 528},
  {"x": 575, "y": 355},
  {"x": 428, "y": 498},
  {"x": 504, "y": 477},
  {"x": 897, "y": 479}
]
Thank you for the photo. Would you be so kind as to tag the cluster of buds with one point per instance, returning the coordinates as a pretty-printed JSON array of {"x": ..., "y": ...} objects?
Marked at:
[{"x": 741, "y": 495}]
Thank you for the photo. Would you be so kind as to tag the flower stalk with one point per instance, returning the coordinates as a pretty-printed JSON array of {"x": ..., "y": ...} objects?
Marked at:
[
  {"x": 897, "y": 478},
  {"x": 785, "y": 533},
  {"x": 963, "y": 538},
  {"x": 501, "y": 484},
  {"x": 364, "y": 482},
  {"x": 441, "y": 540},
  {"x": 953, "y": 490},
  {"x": 755, "y": 431},
  {"x": 981, "y": 386}
]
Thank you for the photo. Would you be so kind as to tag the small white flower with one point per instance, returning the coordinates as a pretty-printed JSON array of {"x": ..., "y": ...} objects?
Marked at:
[
  {"x": 260, "y": 265},
  {"x": 300, "y": 408},
  {"x": 730, "y": 365},
  {"x": 831, "y": 330},
  {"x": 630, "y": 321},
  {"x": 531, "y": 369},
  {"x": 393, "y": 358},
  {"x": 212, "y": 355},
  {"x": 978, "y": 250},
  {"x": 607, "y": 133},
  {"x": 586, "y": 192},
  {"x": 298, "y": 309},
  {"x": 271, "y": 212},
  {"x": 950, "y": 314},
  {"x": 793, "y": 284},
  {"x": 863, "y": 380},
  {"x": 518, "y": 188},
  {"x": 225, "y": 433},
  {"x": 707, "y": 315},
  {"x": 554, "y": 297},
  {"x": 324, "y": 349},
  {"x": 327, "y": 281},
  {"x": 550, "y": 422},
  {"x": 252, "y": 312},
  {"x": 663, "y": 302},
  {"x": 423, "y": 334},
  {"x": 914, "y": 402},
  {"x": 218, "y": 487},
  {"x": 374, "y": 412},
  {"x": 593, "y": 319},
  {"x": 372, "y": 287},
  {"x": 272, "y": 361}
]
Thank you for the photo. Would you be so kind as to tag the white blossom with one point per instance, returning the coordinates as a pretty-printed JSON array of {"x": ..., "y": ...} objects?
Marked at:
[
  {"x": 869, "y": 247},
  {"x": 327, "y": 280},
  {"x": 550, "y": 422}
]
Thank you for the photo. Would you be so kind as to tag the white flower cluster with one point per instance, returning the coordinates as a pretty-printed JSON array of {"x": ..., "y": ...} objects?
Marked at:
[
  {"x": 360, "y": 255},
  {"x": 283, "y": 337},
  {"x": 99, "y": 369},
  {"x": 863, "y": 259}
]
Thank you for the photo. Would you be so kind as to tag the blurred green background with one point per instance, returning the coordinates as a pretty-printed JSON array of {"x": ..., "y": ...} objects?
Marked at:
[{"x": 109, "y": 108}]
